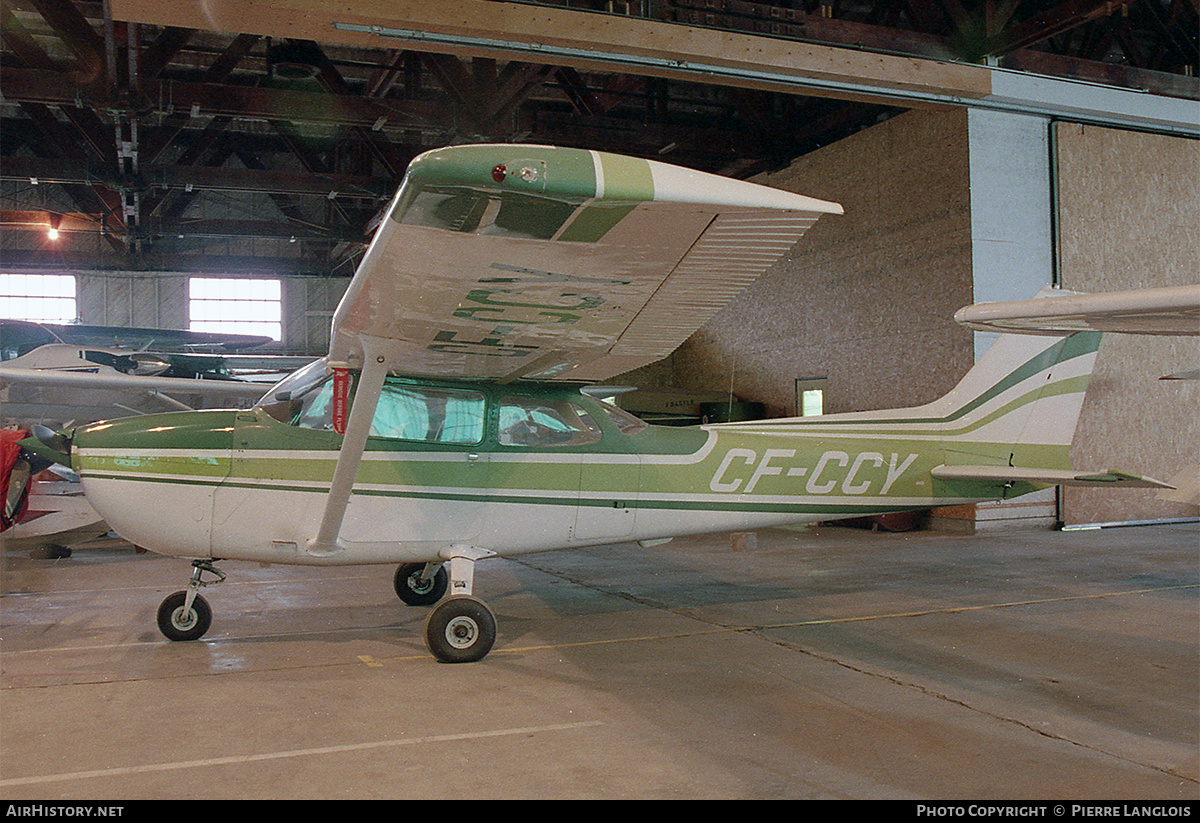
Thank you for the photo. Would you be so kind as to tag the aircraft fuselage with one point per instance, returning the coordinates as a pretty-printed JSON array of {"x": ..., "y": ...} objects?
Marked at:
[{"x": 528, "y": 468}]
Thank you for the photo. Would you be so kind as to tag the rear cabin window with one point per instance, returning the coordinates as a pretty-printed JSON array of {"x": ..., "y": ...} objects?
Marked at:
[
  {"x": 539, "y": 423},
  {"x": 623, "y": 420}
]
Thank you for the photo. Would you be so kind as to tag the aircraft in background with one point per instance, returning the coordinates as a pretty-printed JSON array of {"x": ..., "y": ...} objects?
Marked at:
[
  {"x": 1171, "y": 310},
  {"x": 58, "y": 375},
  {"x": 448, "y": 422},
  {"x": 64, "y": 373}
]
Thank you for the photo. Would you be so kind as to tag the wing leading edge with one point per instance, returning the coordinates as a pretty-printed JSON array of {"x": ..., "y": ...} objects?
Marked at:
[{"x": 512, "y": 261}]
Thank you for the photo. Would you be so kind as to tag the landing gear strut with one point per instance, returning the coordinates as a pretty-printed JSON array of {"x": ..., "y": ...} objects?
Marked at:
[
  {"x": 459, "y": 629},
  {"x": 186, "y": 615}
]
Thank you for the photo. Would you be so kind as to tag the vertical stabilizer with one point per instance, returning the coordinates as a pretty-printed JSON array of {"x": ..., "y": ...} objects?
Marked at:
[
  {"x": 1020, "y": 404},
  {"x": 1012, "y": 417}
]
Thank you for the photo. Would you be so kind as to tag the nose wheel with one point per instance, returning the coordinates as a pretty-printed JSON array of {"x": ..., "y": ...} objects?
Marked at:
[
  {"x": 186, "y": 615},
  {"x": 421, "y": 584}
]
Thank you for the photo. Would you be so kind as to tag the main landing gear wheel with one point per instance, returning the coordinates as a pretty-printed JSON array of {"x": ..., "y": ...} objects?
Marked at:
[
  {"x": 416, "y": 590},
  {"x": 460, "y": 630},
  {"x": 177, "y": 621}
]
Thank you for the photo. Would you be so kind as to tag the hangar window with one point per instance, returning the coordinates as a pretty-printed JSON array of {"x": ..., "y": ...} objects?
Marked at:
[
  {"x": 236, "y": 306},
  {"x": 43, "y": 298},
  {"x": 810, "y": 396}
]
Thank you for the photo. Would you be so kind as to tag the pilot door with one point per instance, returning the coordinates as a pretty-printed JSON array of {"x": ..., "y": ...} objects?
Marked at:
[{"x": 415, "y": 482}]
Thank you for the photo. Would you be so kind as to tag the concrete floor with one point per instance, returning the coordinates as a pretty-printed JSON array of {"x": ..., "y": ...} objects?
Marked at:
[{"x": 824, "y": 663}]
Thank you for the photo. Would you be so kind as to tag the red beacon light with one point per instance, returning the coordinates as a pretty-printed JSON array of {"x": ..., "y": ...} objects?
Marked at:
[{"x": 499, "y": 173}]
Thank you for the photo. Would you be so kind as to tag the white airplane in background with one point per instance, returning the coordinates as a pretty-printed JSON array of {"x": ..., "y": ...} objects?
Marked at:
[
  {"x": 1169, "y": 310},
  {"x": 448, "y": 422},
  {"x": 82, "y": 373}
]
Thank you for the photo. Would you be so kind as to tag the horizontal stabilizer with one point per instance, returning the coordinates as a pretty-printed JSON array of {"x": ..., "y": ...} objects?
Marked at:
[{"x": 1053, "y": 477}]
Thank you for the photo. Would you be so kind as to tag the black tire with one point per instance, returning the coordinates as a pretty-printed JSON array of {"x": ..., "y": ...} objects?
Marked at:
[
  {"x": 175, "y": 625},
  {"x": 416, "y": 592},
  {"x": 460, "y": 630},
  {"x": 50, "y": 551}
]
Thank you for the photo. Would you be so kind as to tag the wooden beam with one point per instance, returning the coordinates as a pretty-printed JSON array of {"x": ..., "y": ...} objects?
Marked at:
[
  {"x": 582, "y": 40},
  {"x": 211, "y": 99},
  {"x": 204, "y": 178}
]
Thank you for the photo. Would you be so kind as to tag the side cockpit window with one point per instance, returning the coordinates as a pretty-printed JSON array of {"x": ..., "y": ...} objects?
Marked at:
[
  {"x": 623, "y": 420},
  {"x": 429, "y": 415},
  {"x": 540, "y": 422},
  {"x": 404, "y": 412}
]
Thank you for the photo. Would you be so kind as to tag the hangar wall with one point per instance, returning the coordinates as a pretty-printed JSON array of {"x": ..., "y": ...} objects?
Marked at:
[
  {"x": 945, "y": 208},
  {"x": 160, "y": 300},
  {"x": 1129, "y": 217},
  {"x": 867, "y": 298}
]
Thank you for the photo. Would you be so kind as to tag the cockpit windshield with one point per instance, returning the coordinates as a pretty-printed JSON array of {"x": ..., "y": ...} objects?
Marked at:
[{"x": 302, "y": 398}]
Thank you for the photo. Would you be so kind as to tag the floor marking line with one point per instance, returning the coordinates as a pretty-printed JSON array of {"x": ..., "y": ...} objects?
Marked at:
[
  {"x": 321, "y": 750},
  {"x": 379, "y": 662},
  {"x": 827, "y": 621}
]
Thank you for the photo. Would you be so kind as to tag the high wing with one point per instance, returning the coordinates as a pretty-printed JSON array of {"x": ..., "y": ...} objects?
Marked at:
[
  {"x": 1172, "y": 310},
  {"x": 518, "y": 261}
]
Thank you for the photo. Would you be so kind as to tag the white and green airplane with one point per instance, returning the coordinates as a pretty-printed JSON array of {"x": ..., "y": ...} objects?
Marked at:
[{"x": 449, "y": 422}]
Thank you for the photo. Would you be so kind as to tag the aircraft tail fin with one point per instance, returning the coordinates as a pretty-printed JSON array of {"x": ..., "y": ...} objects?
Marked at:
[
  {"x": 1012, "y": 418},
  {"x": 1004, "y": 430},
  {"x": 1022, "y": 400}
]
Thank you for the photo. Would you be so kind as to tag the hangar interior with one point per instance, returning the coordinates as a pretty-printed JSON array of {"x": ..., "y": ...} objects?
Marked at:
[{"x": 981, "y": 151}]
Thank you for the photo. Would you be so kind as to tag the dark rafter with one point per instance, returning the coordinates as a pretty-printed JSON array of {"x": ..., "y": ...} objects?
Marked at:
[{"x": 150, "y": 134}]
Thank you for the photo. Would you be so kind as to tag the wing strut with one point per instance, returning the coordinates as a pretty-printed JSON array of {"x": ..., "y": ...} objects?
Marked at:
[{"x": 366, "y": 397}]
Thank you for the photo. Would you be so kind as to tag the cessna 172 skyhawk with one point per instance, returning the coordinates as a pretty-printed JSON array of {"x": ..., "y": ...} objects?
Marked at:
[{"x": 447, "y": 423}]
